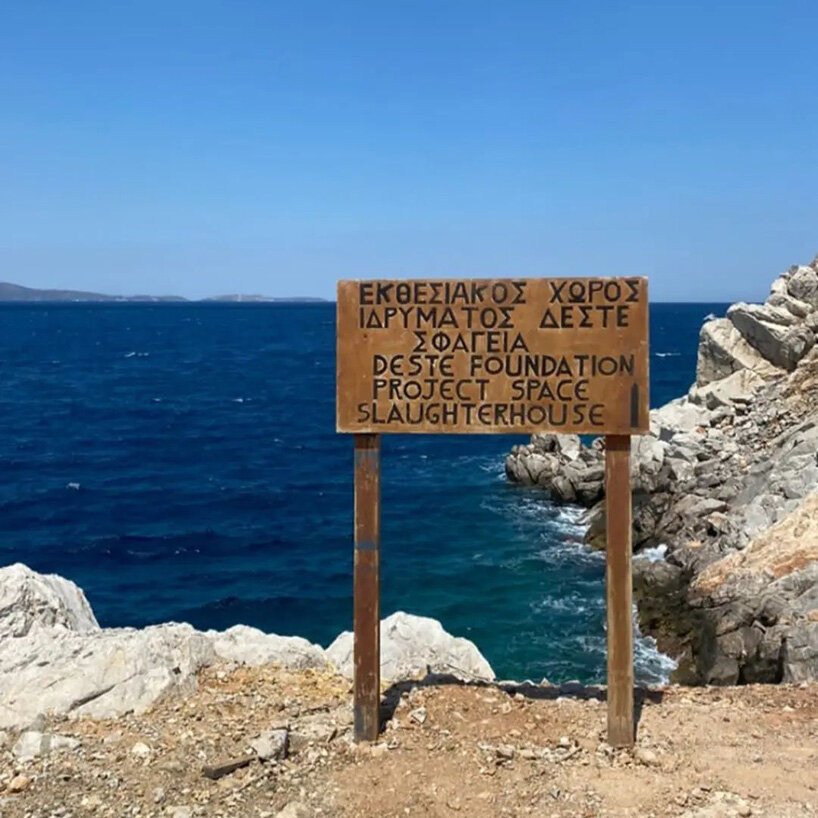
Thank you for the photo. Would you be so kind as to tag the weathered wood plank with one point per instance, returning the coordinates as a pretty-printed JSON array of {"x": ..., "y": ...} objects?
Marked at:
[
  {"x": 493, "y": 355},
  {"x": 367, "y": 587},
  {"x": 619, "y": 585}
]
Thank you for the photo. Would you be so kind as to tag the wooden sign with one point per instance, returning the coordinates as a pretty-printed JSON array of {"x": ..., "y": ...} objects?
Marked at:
[{"x": 499, "y": 356}]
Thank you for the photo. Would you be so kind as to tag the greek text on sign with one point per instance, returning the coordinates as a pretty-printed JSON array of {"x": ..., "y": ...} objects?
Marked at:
[{"x": 493, "y": 355}]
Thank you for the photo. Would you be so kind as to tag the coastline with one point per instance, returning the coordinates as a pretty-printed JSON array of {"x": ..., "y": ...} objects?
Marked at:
[{"x": 726, "y": 483}]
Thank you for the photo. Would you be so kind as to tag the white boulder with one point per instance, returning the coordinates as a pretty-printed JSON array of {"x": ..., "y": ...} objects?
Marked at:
[
  {"x": 33, "y": 744},
  {"x": 724, "y": 350},
  {"x": 29, "y": 600},
  {"x": 740, "y": 386},
  {"x": 250, "y": 646},
  {"x": 411, "y": 646},
  {"x": 104, "y": 673},
  {"x": 803, "y": 285},
  {"x": 773, "y": 332}
]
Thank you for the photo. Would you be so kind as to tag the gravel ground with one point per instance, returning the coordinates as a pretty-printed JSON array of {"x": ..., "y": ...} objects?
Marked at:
[{"x": 447, "y": 750}]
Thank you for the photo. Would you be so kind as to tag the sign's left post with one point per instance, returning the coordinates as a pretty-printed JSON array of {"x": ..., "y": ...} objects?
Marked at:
[{"x": 367, "y": 592}]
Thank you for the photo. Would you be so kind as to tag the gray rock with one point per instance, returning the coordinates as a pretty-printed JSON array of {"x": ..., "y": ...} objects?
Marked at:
[
  {"x": 102, "y": 673},
  {"x": 799, "y": 309},
  {"x": 271, "y": 745},
  {"x": 250, "y": 646},
  {"x": 33, "y": 744},
  {"x": 295, "y": 809},
  {"x": 803, "y": 285},
  {"x": 773, "y": 333},
  {"x": 29, "y": 600},
  {"x": 800, "y": 654},
  {"x": 413, "y": 645},
  {"x": 740, "y": 386},
  {"x": 723, "y": 350},
  {"x": 680, "y": 415}
]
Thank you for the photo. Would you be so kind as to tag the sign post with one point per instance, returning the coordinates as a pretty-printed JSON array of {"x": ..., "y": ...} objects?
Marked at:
[
  {"x": 619, "y": 590},
  {"x": 493, "y": 356},
  {"x": 367, "y": 613}
]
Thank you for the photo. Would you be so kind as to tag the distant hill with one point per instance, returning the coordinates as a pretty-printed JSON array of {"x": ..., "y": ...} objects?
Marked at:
[{"x": 15, "y": 292}]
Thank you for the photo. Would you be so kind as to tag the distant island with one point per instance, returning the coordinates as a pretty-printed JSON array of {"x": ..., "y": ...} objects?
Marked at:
[{"x": 16, "y": 292}]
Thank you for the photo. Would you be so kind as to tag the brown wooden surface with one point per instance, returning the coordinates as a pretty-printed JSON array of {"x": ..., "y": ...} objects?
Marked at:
[
  {"x": 500, "y": 355},
  {"x": 367, "y": 614},
  {"x": 619, "y": 590},
  {"x": 223, "y": 768}
]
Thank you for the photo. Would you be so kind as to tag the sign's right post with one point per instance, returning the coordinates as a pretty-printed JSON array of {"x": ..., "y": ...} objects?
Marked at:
[{"x": 619, "y": 590}]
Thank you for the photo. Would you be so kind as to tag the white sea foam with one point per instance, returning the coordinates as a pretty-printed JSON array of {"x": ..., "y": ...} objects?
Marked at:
[
  {"x": 137, "y": 354},
  {"x": 73, "y": 486},
  {"x": 710, "y": 316},
  {"x": 667, "y": 354},
  {"x": 656, "y": 554},
  {"x": 651, "y": 665}
]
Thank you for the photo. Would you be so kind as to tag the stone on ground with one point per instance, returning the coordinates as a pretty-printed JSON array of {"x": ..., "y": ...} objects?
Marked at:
[{"x": 413, "y": 645}]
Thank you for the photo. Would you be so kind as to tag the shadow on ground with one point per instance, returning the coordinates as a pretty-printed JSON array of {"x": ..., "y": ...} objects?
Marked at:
[{"x": 571, "y": 690}]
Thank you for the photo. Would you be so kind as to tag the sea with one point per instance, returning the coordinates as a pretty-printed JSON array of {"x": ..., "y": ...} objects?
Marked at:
[{"x": 180, "y": 462}]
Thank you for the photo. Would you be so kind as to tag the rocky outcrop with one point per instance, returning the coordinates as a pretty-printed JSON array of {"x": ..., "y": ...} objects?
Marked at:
[
  {"x": 723, "y": 467},
  {"x": 766, "y": 596},
  {"x": 55, "y": 659},
  {"x": 411, "y": 647},
  {"x": 103, "y": 673},
  {"x": 30, "y": 600},
  {"x": 252, "y": 647},
  {"x": 780, "y": 336},
  {"x": 724, "y": 350}
]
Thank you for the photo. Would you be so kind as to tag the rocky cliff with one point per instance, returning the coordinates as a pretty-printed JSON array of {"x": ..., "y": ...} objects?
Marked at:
[{"x": 727, "y": 482}]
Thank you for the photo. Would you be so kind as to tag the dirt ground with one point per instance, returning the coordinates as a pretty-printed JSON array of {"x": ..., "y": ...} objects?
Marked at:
[{"x": 447, "y": 750}]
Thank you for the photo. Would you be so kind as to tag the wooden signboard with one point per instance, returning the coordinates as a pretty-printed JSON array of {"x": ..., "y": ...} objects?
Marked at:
[{"x": 493, "y": 356}]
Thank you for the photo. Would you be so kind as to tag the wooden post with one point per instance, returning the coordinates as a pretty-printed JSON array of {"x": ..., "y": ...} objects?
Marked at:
[
  {"x": 367, "y": 607},
  {"x": 619, "y": 586}
]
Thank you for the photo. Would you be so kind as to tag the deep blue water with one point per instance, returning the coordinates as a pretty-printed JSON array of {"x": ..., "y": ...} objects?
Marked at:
[{"x": 180, "y": 462}]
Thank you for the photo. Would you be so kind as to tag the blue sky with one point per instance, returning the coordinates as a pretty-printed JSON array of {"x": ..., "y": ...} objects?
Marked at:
[{"x": 207, "y": 147}]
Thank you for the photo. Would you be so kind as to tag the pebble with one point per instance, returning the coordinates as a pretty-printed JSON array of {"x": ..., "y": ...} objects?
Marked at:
[
  {"x": 91, "y": 802},
  {"x": 20, "y": 783},
  {"x": 295, "y": 809},
  {"x": 419, "y": 715},
  {"x": 272, "y": 744},
  {"x": 646, "y": 757},
  {"x": 141, "y": 750}
]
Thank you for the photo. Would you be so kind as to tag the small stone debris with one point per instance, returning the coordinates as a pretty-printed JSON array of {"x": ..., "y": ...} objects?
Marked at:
[
  {"x": 33, "y": 744},
  {"x": 419, "y": 715},
  {"x": 91, "y": 802},
  {"x": 501, "y": 753},
  {"x": 141, "y": 750},
  {"x": 295, "y": 809},
  {"x": 272, "y": 745},
  {"x": 20, "y": 783},
  {"x": 647, "y": 757}
]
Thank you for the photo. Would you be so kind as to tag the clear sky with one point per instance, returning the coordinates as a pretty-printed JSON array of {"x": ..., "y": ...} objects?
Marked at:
[{"x": 207, "y": 147}]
